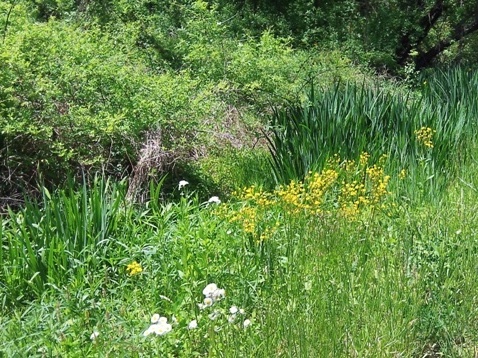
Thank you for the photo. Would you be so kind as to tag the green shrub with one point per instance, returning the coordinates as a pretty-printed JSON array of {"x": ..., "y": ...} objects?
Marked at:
[
  {"x": 70, "y": 100},
  {"x": 86, "y": 97}
]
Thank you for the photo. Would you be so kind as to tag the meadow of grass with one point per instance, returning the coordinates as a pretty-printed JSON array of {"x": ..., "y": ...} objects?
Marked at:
[{"x": 356, "y": 255}]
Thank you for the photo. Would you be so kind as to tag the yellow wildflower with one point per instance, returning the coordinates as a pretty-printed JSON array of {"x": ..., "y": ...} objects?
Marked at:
[
  {"x": 424, "y": 136},
  {"x": 403, "y": 174},
  {"x": 134, "y": 268},
  {"x": 364, "y": 157}
]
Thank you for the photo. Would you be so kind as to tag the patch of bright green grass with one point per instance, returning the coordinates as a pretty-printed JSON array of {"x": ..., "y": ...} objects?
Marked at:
[{"x": 395, "y": 282}]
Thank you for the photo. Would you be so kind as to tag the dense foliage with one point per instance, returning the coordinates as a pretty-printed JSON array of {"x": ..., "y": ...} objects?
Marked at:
[
  {"x": 246, "y": 178},
  {"x": 428, "y": 131},
  {"x": 304, "y": 269},
  {"x": 84, "y": 82},
  {"x": 82, "y": 92}
]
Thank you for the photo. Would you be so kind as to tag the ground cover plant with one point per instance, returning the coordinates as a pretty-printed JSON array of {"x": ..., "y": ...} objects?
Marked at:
[{"x": 333, "y": 265}]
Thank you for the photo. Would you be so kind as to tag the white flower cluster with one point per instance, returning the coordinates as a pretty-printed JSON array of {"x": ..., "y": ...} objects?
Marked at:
[
  {"x": 211, "y": 293},
  {"x": 159, "y": 326},
  {"x": 234, "y": 312},
  {"x": 193, "y": 324}
]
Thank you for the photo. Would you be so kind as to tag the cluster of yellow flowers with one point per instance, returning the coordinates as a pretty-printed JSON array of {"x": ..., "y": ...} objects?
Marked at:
[
  {"x": 364, "y": 157},
  {"x": 247, "y": 216},
  {"x": 378, "y": 183},
  {"x": 134, "y": 268},
  {"x": 424, "y": 136},
  {"x": 252, "y": 215},
  {"x": 292, "y": 196},
  {"x": 345, "y": 186},
  {"x": 367, "y": 192},
  {"x": 308, "y": 195},
  {"x": 403, "y": 174},
  {"x": 256, "y": 195},
  {"x": 318, "y": 184},
  {"x": 352, "y": 197}
]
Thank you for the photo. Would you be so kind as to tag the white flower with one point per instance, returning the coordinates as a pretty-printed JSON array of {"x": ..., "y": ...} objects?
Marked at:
[
  {"x": 247, "y": 323},
  {"x": 208, "y": 301},
  {"x": 182, "y": 184},
  {"x": 168, "y": 327},
  {"x": 233, "y": 310},
  {"x": 214, "y": 199},
  {"x": 241, "y": 311},
  {"x": 155, "y": 318},
  {"x": 162, "y": 329},
  {"x": 231, "y": 318},
  {"x": 159, "y": 328},
  {"x": 148, "y": 331},
  {"x": 193, "y": 324},
  {"x": 94, "y": 335},
  {"x": 212, "y": 293},
  {"x": 209, "y": 290}
]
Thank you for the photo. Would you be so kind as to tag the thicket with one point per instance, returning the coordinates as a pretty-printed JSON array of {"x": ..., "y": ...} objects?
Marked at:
[{"x": 85, "y": 89}]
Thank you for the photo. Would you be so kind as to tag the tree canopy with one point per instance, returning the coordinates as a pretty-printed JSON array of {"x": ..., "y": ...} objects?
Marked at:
[{"x": 388, "y": 34}]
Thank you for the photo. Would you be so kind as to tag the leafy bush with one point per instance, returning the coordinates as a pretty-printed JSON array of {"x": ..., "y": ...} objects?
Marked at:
[
  {"x": 71, "y": 100},
  {"x": 83, "y": 97}
]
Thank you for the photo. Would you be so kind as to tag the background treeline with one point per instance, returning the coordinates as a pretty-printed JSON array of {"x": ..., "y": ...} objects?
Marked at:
[
  {"x": 86, "y": 85},
  {"x": 386, "y": 33}
]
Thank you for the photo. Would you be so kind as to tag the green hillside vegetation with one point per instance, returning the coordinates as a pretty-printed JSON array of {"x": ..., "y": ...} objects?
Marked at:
[{"x": 238, "y": 179}]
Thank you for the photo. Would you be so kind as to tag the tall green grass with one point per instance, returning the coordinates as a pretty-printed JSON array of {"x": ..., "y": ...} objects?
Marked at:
[
  {"x": 399, "y": 282},
  {"x": 62, "y": 236},
  {"x": 321, "y": 286},
  {"x": 350, "y": 118},
  {"x": 453, "y": 92}
]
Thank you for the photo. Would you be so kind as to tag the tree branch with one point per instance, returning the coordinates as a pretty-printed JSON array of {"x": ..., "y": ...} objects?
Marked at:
[
  {"x": 12, "y": 5},
  {"x": 425, "y": 59},
  {"x": 407, "y": 43}
]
